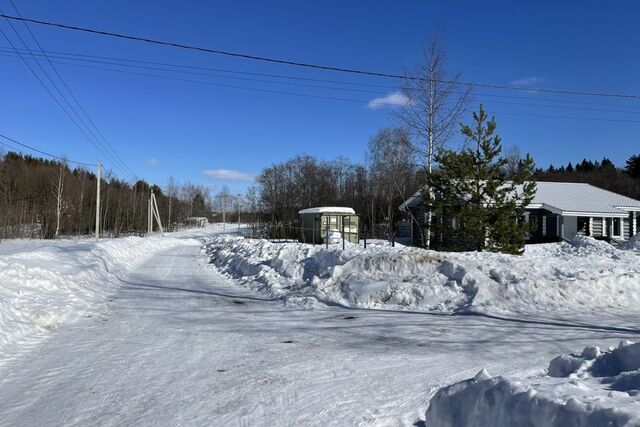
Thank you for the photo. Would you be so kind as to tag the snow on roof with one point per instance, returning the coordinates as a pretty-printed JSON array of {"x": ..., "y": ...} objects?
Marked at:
[
  {"x": 328, "y": 209},
  {"x": 569, "y": 198},
  {"x": 411, "y": 201}
]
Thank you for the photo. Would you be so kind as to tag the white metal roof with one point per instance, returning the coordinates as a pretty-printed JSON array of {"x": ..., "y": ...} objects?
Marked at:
[
  {"x": 570, "y": 199},
  {"x": 328, "y": 209}
]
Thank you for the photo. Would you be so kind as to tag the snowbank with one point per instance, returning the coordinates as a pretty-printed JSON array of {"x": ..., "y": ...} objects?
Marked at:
[
  {"x": 44, "y": 283},
  {"x": 633, "y": 243},
  {"x": 355, "y": 276},
  {"x": 587, "y": 389},
  {"x": 585, "y": 274}
]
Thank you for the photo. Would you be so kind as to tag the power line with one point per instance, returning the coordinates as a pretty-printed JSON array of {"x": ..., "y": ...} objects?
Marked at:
[
  {"x": 44, "y": 152},
  {"x": 548, "y": 116},
  {"x": 196, "y": 73},
  {"x": 64, "y": 83},
  {"x": 126, "y": 62},
  {"x": 68, "y": 56},
  {"x": 60, "y": 105},
  {"x": 330, "y": 98},
  {"x": 353, "y": 100},
  {"x": 48, "y": 91},
  {"x": 73, "y": 56},
  {"x": 304, "y": 95},
  {"x": 308, "y": 65},
  {"x": 195, "y": 67}
]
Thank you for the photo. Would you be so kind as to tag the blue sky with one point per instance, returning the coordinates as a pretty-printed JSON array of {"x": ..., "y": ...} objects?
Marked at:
[{"x": 164, "y": 127}]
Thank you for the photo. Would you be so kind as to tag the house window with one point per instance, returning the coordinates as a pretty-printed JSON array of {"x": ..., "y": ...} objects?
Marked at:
[
  {"x": 617, "y": 227},
  {"x": 583, "y": 225}
]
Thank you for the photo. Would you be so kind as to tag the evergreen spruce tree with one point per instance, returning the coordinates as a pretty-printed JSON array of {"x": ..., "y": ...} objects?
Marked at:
[
  {"x": 476, "y": 206},
  {"x": 633, "y": 166}
]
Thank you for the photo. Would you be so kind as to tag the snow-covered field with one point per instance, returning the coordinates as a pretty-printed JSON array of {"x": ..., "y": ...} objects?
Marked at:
[{"x": 199, "y": 328}]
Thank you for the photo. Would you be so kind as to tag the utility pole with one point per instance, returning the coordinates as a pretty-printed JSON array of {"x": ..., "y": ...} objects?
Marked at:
[
  {"x": 239, "y": 195},
  {"x": 98, "y": 203},
  {"x": 149, "y": 214},
  {"x": 156, "y": 212}
]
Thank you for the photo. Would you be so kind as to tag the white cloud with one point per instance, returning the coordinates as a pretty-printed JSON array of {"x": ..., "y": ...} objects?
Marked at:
[
  {"x": 153, "y": 161},
  {"x": 393, "y": 99},
  {"x": 229, "y": 174},
  {"x": 527, "y": 81}
]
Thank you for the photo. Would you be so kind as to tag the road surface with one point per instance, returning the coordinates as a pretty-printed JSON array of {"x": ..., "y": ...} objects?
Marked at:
[{"x": 182, "y": 345}]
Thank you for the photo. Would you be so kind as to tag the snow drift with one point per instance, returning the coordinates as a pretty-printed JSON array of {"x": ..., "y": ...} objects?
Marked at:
[
  {"x": 584, "y": 274},
  {"x": 587, "y": 389},
  {"x": 355, "y": 276},
  {"x": 633, "y": 243},
  {"x": 44, "y": 283}
]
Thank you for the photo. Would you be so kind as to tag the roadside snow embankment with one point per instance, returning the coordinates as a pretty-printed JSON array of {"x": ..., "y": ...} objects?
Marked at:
[
  {"x": 44, "y": 283},
  {"x": 587, "y": 389},
  {"x": 585, "y": 274},
  {"x": 379, "y": 276}
]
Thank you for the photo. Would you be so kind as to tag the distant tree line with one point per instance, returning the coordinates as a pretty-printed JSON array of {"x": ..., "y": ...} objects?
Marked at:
[
  {"x": 48, "y": 199},
  {"x": 375, "y": 188},
  {"x": 604, "y": 174}
]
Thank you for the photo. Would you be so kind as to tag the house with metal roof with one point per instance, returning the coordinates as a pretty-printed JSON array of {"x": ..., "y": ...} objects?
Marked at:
[{"x": 560, "y": 211}]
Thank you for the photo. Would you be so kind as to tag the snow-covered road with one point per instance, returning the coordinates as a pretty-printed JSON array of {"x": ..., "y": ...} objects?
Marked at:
[{"x": 179, "y": 344}]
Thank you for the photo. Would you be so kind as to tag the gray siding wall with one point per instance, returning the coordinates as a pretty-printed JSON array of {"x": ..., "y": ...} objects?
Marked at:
[
  {"x": 419, "y": 213},
  {"x": 626, "y": 228},
  {"x": 597, "y": 227}
]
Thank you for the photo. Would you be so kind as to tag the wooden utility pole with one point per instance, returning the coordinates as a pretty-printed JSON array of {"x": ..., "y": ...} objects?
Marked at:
[
  {"x": 149, "y": 215},
  {"x": 156, "y": 212},
  {"x": 98, "y": 203}
]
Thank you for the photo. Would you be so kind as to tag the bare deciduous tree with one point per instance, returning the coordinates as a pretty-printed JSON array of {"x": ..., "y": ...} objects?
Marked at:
[
  {"x": 513, "y": 157},
  {"x": 59, "y": 195},
  {"x": 45, "y": 198},
  {"x": 391, "y": 169},
  {"x": 435, "y": 103}
]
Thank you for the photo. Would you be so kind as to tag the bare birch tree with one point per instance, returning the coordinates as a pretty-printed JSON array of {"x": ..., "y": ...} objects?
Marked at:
[
  {"x": 391, "y": 168},
  {"x": 59, "y": 194},
  {"x": 435, "y": 103},
  {"x": 172, "y": 192}
]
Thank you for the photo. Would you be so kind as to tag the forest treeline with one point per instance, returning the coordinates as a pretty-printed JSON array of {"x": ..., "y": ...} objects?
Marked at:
[
  {"x": 47, "y": 199},
  {"x": 374, "y": 189},
  {"x": 390, "y": 175}
]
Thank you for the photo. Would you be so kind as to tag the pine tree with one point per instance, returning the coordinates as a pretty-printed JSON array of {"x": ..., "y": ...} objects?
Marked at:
[
  {"x": 569, "y": 168},
  {"x": 633, "y": 166},
  {"x": 476, "y": 205}
]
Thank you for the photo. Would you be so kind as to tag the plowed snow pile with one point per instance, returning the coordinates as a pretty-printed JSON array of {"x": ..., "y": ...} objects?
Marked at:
[
  {"x": 633, "y": 243},
  {"x": 43, "y": 283},
  {"x": 585, "y": 274},
  {"x": 587, "y": 389}
]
